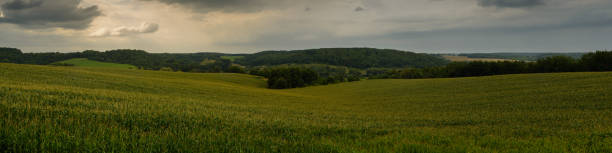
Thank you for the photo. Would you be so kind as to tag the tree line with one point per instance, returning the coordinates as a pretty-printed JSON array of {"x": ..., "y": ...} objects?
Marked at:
[
  {"x": 359, "y": 58},
  {"x": 596, "y": 61},
  {"x": 521, "y": 56},
  {"x": 294, "y": 76},
  {"x": 291, "y": 77},
  {"x": 192, "y": 62}
]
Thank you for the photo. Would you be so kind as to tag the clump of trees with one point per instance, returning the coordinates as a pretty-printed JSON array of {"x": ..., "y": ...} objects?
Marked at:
[
  {"x": 236, "y": 69},
  {"x": 597, "y": 61},
  {"x": 291, "y": 77},
  {"x": 327, "y": 74},
  {"x": 14, "y": 55},
  {"x": 9, "y": 55}
]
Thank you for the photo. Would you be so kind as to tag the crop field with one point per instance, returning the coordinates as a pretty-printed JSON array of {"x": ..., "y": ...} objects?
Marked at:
[
  {"x": 84, "y": 109},
  {"x": 83, "y": 62}
]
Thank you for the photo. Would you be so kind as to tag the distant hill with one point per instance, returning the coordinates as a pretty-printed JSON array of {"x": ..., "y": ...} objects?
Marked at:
[
  {"x": 470, "y": 59},
  {"x": 361, "y": 58},
  {"x": 520, "y": 56},
  {"x": 350, "y": 57}
]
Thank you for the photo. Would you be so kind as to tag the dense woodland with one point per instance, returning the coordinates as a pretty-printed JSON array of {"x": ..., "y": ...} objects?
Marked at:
[
  {"x": 349, "y": 57},
  {"x": 521, "y": 56},
  {"x": 292, "y": 77},
  {"x": 590, "y": 62},
  {"x": 291, "y": 69},
  {"x": 327, "y": 74},
  {"x": 361, "y": 58},
  {"x": 193, "y": 62}
]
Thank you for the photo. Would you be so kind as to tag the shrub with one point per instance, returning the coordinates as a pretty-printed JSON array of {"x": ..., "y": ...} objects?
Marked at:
[
  {"x": 235, "y": 69},
  {"x": 412, "y": 73}
]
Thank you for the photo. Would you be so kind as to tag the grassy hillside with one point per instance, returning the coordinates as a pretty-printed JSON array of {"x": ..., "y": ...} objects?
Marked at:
[
  {"x": 61, "y": 109},
  {"x": 84, "y": 62}
]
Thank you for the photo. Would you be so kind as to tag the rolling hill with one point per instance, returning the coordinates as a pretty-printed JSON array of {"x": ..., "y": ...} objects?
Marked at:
[
  {"x": 361, "y": 58},
  {"x": 520, "y": 56},
  {"x": 455, "y": 58},
  {"x": 84, "y": 62},
  {"x": 350, "y": 57},
  {"x": 81, "y": 109}
]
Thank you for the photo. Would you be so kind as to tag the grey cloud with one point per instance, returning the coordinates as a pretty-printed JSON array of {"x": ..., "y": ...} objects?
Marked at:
[
  {"x": 40, "y": 14},
  {"x": 559, "y": 25},
  {"x": 126, "y": 31},
  {"x": 220, "y": 5},
  {"x": 19, "y": 5},
  {"x": 245, "y": 6},
  {"x": 359, "y": 9},
  {"x": 510, "y": 3}
]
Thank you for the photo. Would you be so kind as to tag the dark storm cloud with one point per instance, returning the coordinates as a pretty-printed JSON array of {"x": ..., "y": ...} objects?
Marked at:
[
  {"x": 39, "y": 14},
  {"x": 510, "y": 3},
  {"x": 18, "y": 5}
]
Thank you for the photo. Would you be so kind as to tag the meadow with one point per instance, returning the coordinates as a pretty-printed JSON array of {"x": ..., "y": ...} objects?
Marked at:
[
  {"x": 84, "y": 62},
  {"x": 84, "y": 109}
]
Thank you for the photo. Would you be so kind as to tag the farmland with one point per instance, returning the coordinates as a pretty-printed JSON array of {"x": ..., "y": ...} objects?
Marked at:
[
  {"x": 85, "y": 109},
  {"x": 84, "y": 62}
]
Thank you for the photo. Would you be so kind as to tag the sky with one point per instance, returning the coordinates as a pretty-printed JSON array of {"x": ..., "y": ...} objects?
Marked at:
[{"x": 247, "y": 26}]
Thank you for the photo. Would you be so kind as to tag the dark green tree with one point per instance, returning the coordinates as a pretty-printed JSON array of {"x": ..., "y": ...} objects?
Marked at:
[{"x": 598, "y": 61}]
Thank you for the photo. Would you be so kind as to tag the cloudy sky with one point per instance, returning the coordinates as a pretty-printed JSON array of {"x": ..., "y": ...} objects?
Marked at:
[{"x": 245, "y": 26}]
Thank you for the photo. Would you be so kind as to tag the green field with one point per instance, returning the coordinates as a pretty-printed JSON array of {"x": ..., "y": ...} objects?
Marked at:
[
  {"x": 79, "y": 109},
  {"x": 83, "y": 62}
]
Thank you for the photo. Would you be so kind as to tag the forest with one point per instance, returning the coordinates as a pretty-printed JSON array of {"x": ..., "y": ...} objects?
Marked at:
[
  {"x": 589, "y": 62},
  {"x": 526, "y": 56},
  {"x": 361, "y": 58}
]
